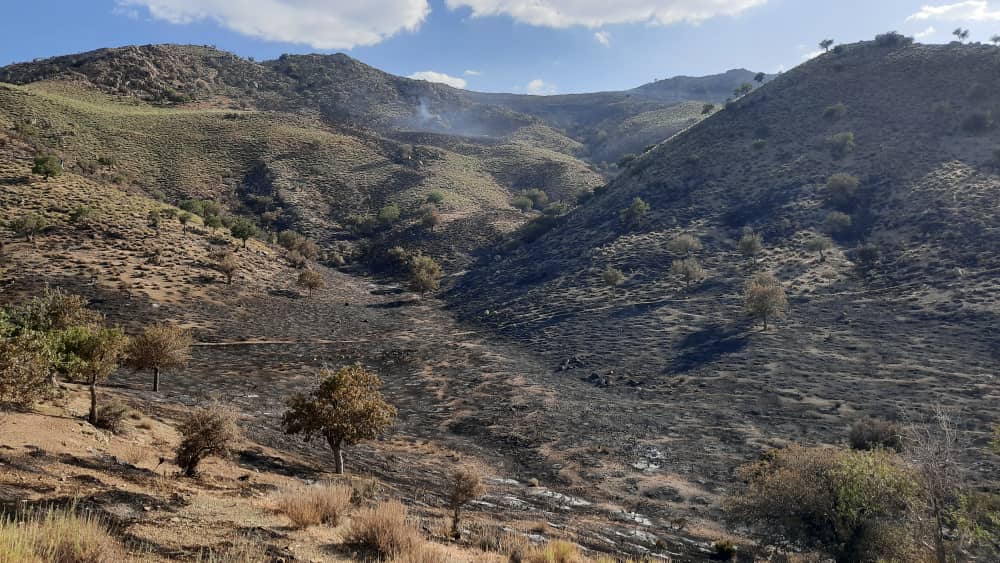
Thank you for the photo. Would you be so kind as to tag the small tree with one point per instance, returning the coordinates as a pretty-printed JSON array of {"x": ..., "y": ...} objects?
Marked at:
[
  {"x": 425, "y": 274},
  {"x": 435, "y": 197},
  {"x": 184, "y": 218},
  {"x": 867, "y": 256},
  {"x": 209, "y": 431},
  {"x": 633, "y": 214},
  {"x": 47, "y": 165},
  {"x": 213, "y": 222},
  {"x": 522, "y": 203},
  {"x": 28, "y": 226},
  {"x": 760, "y": 77},
  {"x": 765, "y": 297},
  {"x": 243, "y": 229},
  {"x": 345, "y": 408},
  {"x": 961, "y": 34},
  {"x": 25, "y": 363},
  {"x": 841, "y": 144},
  {"x": 820, "y": 244},
  {"x": 311, "y": 280},
  {"x": 389, "y": 214},
  {"x": 743, "y": 90},
  {"x": 842, "y": 190},
  {"x": 93, "y": 354},
  {"x": 684, "y": 245},
  {"x": 689, "y": 270},
  {"x": 837, "y": 223},
  {"x": 612, "y": 277},
  {"x": 226, "y": 264},
  {"x": 825, "y": 45},
  {"x": 429, "y": 216},
  {"x": 751, "y": 245},
  {"x": 159, "y": 347},
  {"x": 995, "y": 40},
  {"x": 466, "y": 486}
]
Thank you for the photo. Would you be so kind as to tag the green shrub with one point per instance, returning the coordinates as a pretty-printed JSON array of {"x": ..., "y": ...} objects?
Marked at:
[
  {"x": 522, "y": 203},
  {"x": 892, "y": 39},
  {"x": 835, "y": 112},
  {"x": 612, "y": 277},
  {"x": 25, "y": 362},
  {"x": 425, "y": 274},
  {"x": 707, "y": 109},
  {"x": 209, "y": 431},
  {"x": 841, "y": 144},
  {"x": 436, "y": 197},
  {"x": 842, "y": 190},
  {"x": 633, "y": 214},
  {"x": 759, "y": 144},
  {"x": 838, "y": 223},
  {"x": 29, "y": 226},
  {"x": 111, "y": 416},
  {"x": 80, "y": 214},
  {"x": 389, "y": 214},
  {"x": 47, "y": 165},
  {"x": 243, "y": 229}
]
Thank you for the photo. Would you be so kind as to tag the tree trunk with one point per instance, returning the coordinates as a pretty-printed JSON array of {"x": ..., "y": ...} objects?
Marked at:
[
  {"x": 93, "y": 400},
  {"x": 765, "y": 323},
  {"x": 156, "y": 379},
  {"x": 456, "y": 530},
  {"x": 336, "y": 444}
]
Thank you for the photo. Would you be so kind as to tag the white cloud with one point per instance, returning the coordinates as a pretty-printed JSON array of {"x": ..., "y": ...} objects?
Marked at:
[
  {"x": 539, "y": 87},
  {"x": 473, "y": 73},
  {"x": 439, "y": 77},
  {"x": 596, "y": 13},
  {"x": 322, "y": 24},
  {"x": 970, "y": 10},
  {"x": 925, "y": 33},
  {"x": 603, "y": 37}
]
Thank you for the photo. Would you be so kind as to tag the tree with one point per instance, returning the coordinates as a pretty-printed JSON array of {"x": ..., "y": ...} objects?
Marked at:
[
  {"x": 184, "y": 218},
  {"x": 688, "y": 269},
  {"x": 311, "y": 280},
  {"x": 820, "y": 244},
  {"x": 345, "y": 408},
  {"x": 28, "y": 226},
  {"x": 522, "y": 203},
  {"x": 425, "y": 274},
  {"x": 842, "y": 190},
  {"x": 243, "y": 229},
  {"x": 760, "y": 77},
  {"x": 466, "y": 486},
  {"x": 961, "y": 34},
  {"x": 225, "y": 263},
  {"x": 429, "y": 216},
  {"x": 25, "y": 363},
  {"x": 838, "y": 223},
  {"x": 825, "y": 45},
  {"x": 389, "y": 214},
  {"x": 995, "y": 39},
  {"x": 751, "y": 245},
  {"x": 210, "y": 431},
  {"x": 852, "y": 505},
  {"x": 47, "y": 165},
  {"x": 631, "y": 215},
  {"x": 612, "y": 277},
  {"x": 159, "y": 347},
  {"x": 743, "y": 89},
  {"x": 213, "y": 222},
  {"x": 435, "y": 197},
  {"x": 765, "y": 297},
  {"x": 684, "y": 245},
  {"x": 866, "y": 255},
  {"x": 92, "y": 354}
]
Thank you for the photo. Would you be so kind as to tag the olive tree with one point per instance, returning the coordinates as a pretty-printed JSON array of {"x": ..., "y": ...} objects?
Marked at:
[
  {"x": 765, "y": 297},
  {"x": 311, "y": 280},
  {"x": 826, "y": 44},
  {"x": 92, "y": 354},
  {"x": 243, "y": 229},
  {"x": 345, "y": 407},
  {"x": 159, "y": 347}
]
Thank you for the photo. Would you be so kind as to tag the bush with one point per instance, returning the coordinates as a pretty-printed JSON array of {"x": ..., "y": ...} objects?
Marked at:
[
  {"x": 751, "y": 244},
  {"x": 871, "y": 433},
  {"x": 80, "y": 214},
  {"x": 383, "y": 530},
  {"x": 725, "y": 550},
  {"x": 612, "y": 277},
  {"x": 311, "y": 280},
  {"x": 243, "y": 229},
  {"x": 557, "y": 551},
  {"x": 205, "y": 432},
  {"x": 111, "y": 416},
  {"x": 835, "y": 112},
  {"x": 758, "y": 144},
  {"x": 320, "y": 504},
  {"x": 842, "y": 190},
  {"x": 466, "y": 486},
  {"x": 892, "y": 39},
  {"x": 707, "y": 109},
  {"x": 633, "y": 214},
  {"x": 539, "y": 199},
  {"x": 25, "y": 362},
  {"x": 684, "y": 245},
  {"x": 688, "y": 269},
  {"x": 522, "y": 203},
  {"x": 47, "y": 166},
  {"x": 429, "y": 216},
  {"x": 60, "y": 536},
  {"x": 819, "y": 244},
  {"x": 866, "y": 255},
  {"x": 425, "y": 274},
  {"x": 388, "y": 214},
  {"x": 225, "y": 263},
  {"x": 838, "y": 223},
  {"x": 849, "y": 504},
  {"x": 841, "y": 144},
  {"x": 765, "y": 297},
  {"x": 28, "y": 226},
  {"x": 435, "y": 197}
]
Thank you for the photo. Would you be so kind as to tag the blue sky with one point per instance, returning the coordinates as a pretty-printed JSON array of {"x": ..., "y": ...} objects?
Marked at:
[{"x": 537, "y": 46}]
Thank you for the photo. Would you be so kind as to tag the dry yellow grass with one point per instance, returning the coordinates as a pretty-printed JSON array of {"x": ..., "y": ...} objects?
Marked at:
[
  {"x": 385, "y": 530},
  {"x": 58, "y": 535},
  {"x": 311, "y": 506}
]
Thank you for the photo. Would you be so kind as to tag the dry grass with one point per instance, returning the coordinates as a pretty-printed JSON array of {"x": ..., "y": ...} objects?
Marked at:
[
  {"x": 244, "y": 551},
  {"x": 58, "y": 535},
  {"x": 312, "y": 506},
  {"x": 385, "y": 530}
]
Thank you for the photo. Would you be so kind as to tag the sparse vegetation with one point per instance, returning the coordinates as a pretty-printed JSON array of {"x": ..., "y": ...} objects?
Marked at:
[
  {"x": 684, "y": 245},
  {"x": 871, "y": 434},
  {"x": 60, "y": 535},
  {"x": 819, "y": 244},
  {"x": 765, "y": 297},
  {"x": 689, "y": 270},
  {"x": 425, "y": 274},
  {"x": 384, "y": 530},
  {"x": 29, "y": 226},
  {"x": 835, "y": 112},
  {"x": 325, "y": 503},
  {"x": 206, "y": 432},
  {"x": 345, "y": 407},
  {"x": 751, "y": 245}
]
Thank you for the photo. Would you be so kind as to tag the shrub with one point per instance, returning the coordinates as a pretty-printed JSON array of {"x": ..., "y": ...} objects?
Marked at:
[
  {"x": 209, "y": 431},
  {"x": 871, "y": 434},
  {"x": 892, "y": 39},
  {"x": 388, "y": 214},
  {"x": 25, "y": 362},
  {"x": 522, "y": 203},
  {"x": 225, "y": 263},
  {"x": 344, "y": 408},
  {"x": 320, "y": 504},
  {"x": 978, "y": 123},
  {"x": 425, "y": 274},
  {"x": 725, "y": 550},
  {"x": 112, "y": 415},
  {"x": 184, "y": 218},
  {"x": 842, "y": 190},
  {"x": 684, "y": 245},
  {"x": 557, "y": 551},
  {"x": 435, "y": 197},
  {"x": 47, "y": 165},
  {"x": 159, "y": 347},
  {"x": 751, "y": 245},
  {"x": 429, "y": 216},
  {"x": 838, "y": 223},
  {"x": 820, "y": 244},
  {"x": 28, "y": 226},
  {"x": 80, "y": 214},
  {"x": 848, "y": 504},
  {"x": 866, "y": 255},
  {"x": 612, "y": 277},
  {"x": 466, "y": 486},
  {"x": 58, "y": 535},
  {"x": 633, "y": 214},
  {"x": 311, "y": 280},
  {"x": 383, "y": 530},
  {"x": 688, "y": 269},
  {"x": 765, "y": 297},
  {"x": 841, "y": 144},
  {"x": 539, "y": 199},
  {"x": 243, "y": 229},
  {"x": 707, "y": 109},
  {"x": 835, "y": 112}
]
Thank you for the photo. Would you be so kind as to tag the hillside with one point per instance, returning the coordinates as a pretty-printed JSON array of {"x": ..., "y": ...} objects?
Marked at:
[{"x": 700, "y": 384}]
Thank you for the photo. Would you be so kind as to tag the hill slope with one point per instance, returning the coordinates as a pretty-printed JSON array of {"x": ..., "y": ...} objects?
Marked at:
[{"x": 911, "y": 330}]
